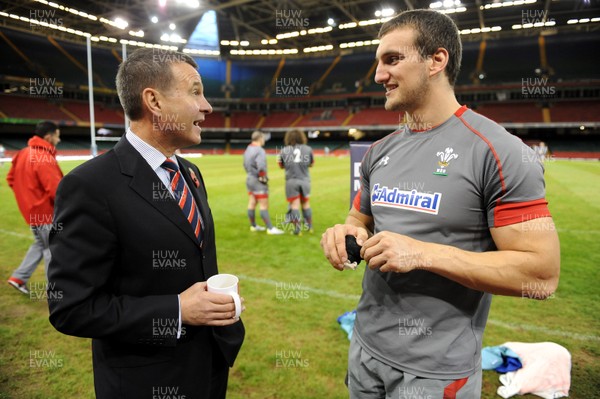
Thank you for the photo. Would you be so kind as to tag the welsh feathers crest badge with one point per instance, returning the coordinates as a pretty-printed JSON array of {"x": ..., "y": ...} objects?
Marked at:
[{"x": 444, "y": 160}]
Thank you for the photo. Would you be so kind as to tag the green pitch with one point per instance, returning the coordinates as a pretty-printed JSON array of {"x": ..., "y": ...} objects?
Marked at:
[{"x": 294, "y": 347}]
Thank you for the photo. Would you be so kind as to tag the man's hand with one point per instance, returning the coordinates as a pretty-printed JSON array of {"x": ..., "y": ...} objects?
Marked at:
[
  {"x": 202, "y": 308},
  {"x": 391, "y": 252},
  {"x": 263, "y": 179},
  {"x": 333, "y": 242}
]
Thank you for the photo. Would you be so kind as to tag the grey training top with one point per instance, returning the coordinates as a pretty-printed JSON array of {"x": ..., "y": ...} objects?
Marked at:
[
  {"x": 448, "y": 185},
  {"x": 296, "y": 160},
  {"x": 255, "y": 161}
]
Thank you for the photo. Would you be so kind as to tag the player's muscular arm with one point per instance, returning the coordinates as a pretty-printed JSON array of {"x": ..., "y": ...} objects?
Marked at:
[
  {"x": 333, "y": 240},
  {"x": 527, "y": 262}
]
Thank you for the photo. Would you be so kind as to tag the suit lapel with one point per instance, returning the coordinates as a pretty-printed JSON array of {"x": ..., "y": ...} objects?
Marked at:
[{"x": 146, "y": 183}]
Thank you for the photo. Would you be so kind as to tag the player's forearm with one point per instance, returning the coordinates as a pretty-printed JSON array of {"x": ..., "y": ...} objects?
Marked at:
[{"x": 507, "y": 272}]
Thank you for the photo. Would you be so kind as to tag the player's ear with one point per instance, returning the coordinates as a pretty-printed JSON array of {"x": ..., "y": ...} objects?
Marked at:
[{"x": 438, "y": 61}]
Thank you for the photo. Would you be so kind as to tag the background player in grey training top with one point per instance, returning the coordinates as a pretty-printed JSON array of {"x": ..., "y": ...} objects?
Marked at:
[
  {"x": 449, "y": 212},
  {"x": 255, "y": 163},
  {"x": 296, "y": 157}
]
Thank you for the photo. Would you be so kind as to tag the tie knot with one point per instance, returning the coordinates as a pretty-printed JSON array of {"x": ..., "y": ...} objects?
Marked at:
[{"x": 170, "y": 166}]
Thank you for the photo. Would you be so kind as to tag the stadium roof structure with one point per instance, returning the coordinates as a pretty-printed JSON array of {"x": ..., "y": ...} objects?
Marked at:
[{"x": 247, "y": 27}]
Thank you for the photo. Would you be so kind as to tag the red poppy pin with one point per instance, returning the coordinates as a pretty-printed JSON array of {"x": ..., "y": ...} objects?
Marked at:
[{"x": 194, "y": 178}]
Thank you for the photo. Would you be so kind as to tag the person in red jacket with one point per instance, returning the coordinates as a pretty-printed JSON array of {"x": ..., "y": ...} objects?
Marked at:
[{"x": 34, "y": 177}]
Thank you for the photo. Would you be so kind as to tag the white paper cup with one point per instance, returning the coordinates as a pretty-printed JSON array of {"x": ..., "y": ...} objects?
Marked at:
[{"x": 226, "y": 284}]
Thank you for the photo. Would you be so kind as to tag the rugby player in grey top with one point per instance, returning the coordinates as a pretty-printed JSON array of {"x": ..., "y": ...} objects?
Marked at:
[
  {"x": 255, "y": 164},
  {"x": 296, "y": 157},
  {"x": 451, "y": 210}
]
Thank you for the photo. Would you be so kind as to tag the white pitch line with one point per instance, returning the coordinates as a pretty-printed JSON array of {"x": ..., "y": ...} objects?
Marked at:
[
  {"x": 333, "y": 294},
  {"x": 549, "y": 331},
  {"x": 12, "y": 233},
  {"x": 526, "y": 327}
]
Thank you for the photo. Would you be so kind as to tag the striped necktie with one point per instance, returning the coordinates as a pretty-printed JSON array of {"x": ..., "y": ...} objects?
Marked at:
[{"x": 183, "y": 196}]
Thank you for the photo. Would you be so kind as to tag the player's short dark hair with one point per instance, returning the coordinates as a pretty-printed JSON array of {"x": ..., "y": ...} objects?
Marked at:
[
  {"x": 294, "y": 137},
  {"x": 146, "y": 68},
  {"x": 45, "y": 127},
  {"x": 433, "y": 30}
]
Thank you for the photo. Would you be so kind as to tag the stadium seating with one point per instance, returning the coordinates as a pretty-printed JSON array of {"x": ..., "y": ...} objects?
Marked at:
[
  {"x": 28, "y": 107},
  {"x": 375, "y": 117},
  {"x": 31, "y": 107},
  {"x": 104, "y": 115},
  {"x": 280, "y": 119},
  {"x": 244, "y": 119},
  {"x": 215, "y": 119},
  {"x": 324, "y": 117},
  {"x": 575, "y": 111},
  {"x": 512, "y": 112},
  {"x": 333, "y": 102}
]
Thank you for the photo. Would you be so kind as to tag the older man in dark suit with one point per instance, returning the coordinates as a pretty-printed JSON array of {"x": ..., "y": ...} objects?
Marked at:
[{"x": 136, "y": 245}]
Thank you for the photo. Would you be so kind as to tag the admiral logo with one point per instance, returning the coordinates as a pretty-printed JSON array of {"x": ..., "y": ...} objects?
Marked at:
[{"x": 410, "y": 200}]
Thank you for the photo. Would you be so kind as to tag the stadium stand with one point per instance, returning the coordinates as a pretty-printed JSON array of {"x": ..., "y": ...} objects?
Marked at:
[
  {"x": 251, "y": 79},
  {"x": 323, "y": 117},
  {"x": 298, "y": 75},
  {"x": 570, "y": 57},
  {"x": 280, "y": 119},
  {"x": 28, "y": 107},
  {"x": 512, "y": 112},
  {"x": 31, "y": 107},
  {"x": 499, "y": 65},
  {"x": 63, "y": 61},
  {"x": 346, "y": 73},
  {"x": 324, "y": 92},
  {"x": 81, "y": 111},
  {"x": 469, "y": 63},
  {"x": 375, "y": 117},
  {"x": 216, "y": 119},
  {"x": 213, "y": 76},
  {"x": 573, "y": 111},
  {"x": 244, "y": 119}
]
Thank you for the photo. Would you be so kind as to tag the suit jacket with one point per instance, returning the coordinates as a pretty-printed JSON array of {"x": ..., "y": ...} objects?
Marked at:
[{"x": 121, "y": 252}]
